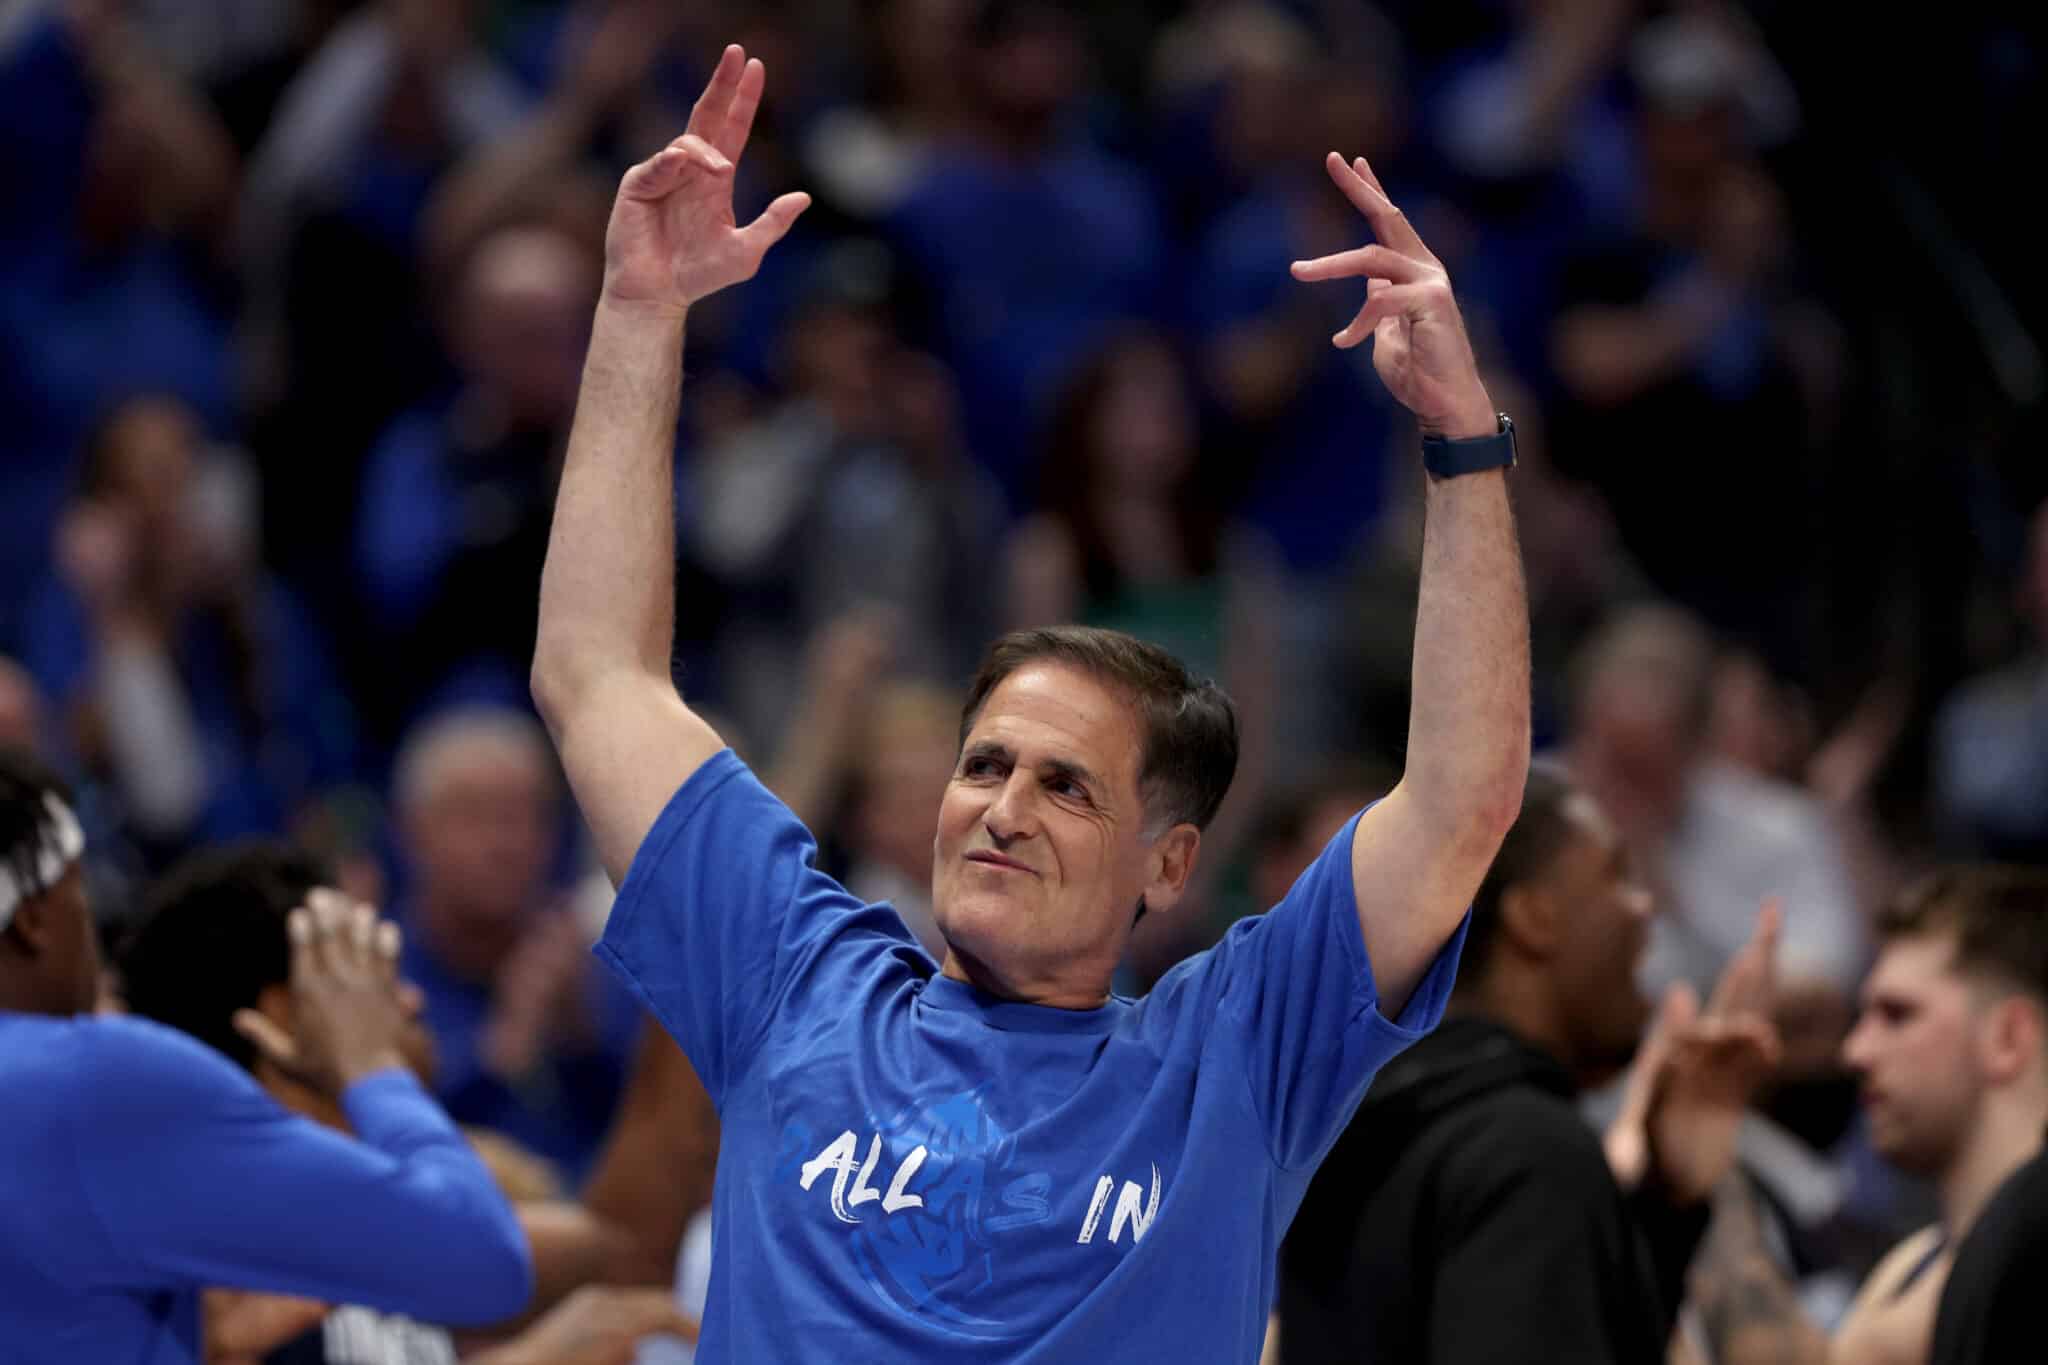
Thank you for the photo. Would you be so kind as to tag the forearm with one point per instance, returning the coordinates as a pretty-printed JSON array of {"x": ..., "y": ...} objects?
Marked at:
[
  {"x": 606, "y": 599},
  {"x": 1745, "y": 1307},
  {"x": 1468, "y": 721}
]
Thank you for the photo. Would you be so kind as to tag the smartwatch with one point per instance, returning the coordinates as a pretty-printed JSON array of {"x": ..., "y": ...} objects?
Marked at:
[{"x": 1446, "y": 459}]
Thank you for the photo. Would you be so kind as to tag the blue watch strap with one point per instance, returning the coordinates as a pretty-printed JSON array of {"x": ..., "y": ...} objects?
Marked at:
[{"x": 1446, "y": 459}]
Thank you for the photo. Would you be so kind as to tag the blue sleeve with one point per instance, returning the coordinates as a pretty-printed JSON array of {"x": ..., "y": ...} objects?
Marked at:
[
  {"x": 1297, "y": 987},
  {"x": 723, "y": 920},
  {"x": 197, "y": 1177}
]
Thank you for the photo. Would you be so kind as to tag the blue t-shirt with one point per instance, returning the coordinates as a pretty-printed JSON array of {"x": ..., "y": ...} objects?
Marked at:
[
  {"x": 913, "y": 1170},
  {"x": 143, "y": 1167}
]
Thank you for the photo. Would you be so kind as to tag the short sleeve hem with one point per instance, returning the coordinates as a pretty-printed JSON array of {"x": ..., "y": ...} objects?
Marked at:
[{"x": 690, "y": 797}]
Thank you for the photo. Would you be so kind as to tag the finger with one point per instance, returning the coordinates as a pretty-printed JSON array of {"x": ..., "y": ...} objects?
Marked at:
[
  {"x": 708, "y": 115},
  {"x": 298, "y": 927},
  {"x": 1391, "y": 302},
  {"x": 774, "y": 223},
  {"x": 362, "y": 933},
  {"x": 389, "y": 941},
  {"x": 1389, "y": 224},
  {"x": 1373, "y": 262},
  {"x": 746, "y": 102},
  {"x": 267, "y": 1038},
  {"x": 330, "y": 923},
  {"x": 1363, "y": 168}
]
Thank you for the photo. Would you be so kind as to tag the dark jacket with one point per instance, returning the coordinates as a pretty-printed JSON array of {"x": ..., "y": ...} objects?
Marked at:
[{"x": 1468, "y": 1215}]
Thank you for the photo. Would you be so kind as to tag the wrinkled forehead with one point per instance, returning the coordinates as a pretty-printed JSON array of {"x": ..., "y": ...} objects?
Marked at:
[{"x": 1047, "y": 711}]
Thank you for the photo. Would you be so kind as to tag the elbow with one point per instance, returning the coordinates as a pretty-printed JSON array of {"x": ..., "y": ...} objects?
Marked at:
[{"x": 501, "y": 1280}]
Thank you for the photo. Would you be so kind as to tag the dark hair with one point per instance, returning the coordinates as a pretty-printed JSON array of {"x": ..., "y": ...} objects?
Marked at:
[
  {"x": 1997, "y": 914},
  {"x": 27, "y": 829},
  {"x": 1190, "y": 727},
  {"x": 212, "y": 936},
  {"x": 1533, "y": 842},
  {"x": 1072, "y": 468}
]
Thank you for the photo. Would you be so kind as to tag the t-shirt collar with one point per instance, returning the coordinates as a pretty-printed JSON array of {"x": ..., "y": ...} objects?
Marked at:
[{"x": 1012, "y": 1016}]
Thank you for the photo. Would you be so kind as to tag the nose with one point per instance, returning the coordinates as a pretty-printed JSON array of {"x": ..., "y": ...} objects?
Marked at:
[
  {"x": 1856, "y": 1049},
  {"x": 1009, "y": 816},
  {"x": 1638, "y": 901}
]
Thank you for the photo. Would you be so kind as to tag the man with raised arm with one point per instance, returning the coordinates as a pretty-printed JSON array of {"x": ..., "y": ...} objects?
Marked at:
[{"x": 993, "y": 1158}]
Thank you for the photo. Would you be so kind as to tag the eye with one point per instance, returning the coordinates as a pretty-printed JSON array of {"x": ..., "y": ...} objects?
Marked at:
[
  {"x": 978, "y": 766},
  {"x": 1067, "y": 786}
]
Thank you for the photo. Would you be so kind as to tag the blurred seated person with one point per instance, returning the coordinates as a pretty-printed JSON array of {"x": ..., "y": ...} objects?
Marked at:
[
  {"x": 1469, "y": 1213},
  {"x": 1990, "y": 744},
  {"x": 210, "y": 949},
  {"x": 533, "y": 1040},
  {"x": 189, "y": 680},
  {"x": 1952, "y": 1052},
  {"x": 1713, "y": 839},
  {"x": 148, "y": 1168},
  {"x": 120, "y": 189},
  {"x": 1034, "y": 242},
  {"x": 453, "y": 521},
  {"x": 852, "y": 493},
  {"x": 337, "y": 295}
]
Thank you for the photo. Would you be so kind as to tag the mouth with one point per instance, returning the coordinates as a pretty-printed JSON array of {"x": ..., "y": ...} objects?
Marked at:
[{"x": 988, "y": 859}]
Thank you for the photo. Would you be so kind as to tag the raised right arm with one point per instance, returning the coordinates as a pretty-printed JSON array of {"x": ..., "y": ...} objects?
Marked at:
[{"x": 601, "y": 659}]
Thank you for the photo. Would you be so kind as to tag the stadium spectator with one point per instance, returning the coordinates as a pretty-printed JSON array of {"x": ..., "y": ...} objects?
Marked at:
[
  {"x": 533, "y": 1040},
  {"x": 454, "y": 513},
  {"x": 1712, "y": 839},
  {"x": 1469, "y": 1212},
  {"x": 1952, "y": 1051},
  {"x": 160, "y": 1169},
  {"x": 212, "y": 945},
  {"x": 1033, "y": 243},
  {"x": 188, "y": 678}
]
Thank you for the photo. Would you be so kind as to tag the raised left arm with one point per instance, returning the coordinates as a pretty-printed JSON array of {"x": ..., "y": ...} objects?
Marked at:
[{"x": 1419, "y": 855}]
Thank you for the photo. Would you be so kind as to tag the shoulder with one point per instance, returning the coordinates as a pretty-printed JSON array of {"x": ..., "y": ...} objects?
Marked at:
[
  {"x": 113, "y": 1069},
  {"x": 1524, "y": 1137}
]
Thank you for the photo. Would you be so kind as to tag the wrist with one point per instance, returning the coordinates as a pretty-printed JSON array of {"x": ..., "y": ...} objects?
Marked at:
[
  {"x": 1472, "y": 418},
  {"x": 369, "y": 1064},
  {"x": 654, "y": 315}
]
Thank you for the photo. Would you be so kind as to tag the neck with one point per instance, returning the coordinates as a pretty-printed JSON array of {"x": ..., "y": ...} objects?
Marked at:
[
  {"x": 1063, "y": 996},
  {"x": 2006, "y": 1135},
  {"x": 1522, "y": 1002},
  {"x": 300, "y": 1098}
]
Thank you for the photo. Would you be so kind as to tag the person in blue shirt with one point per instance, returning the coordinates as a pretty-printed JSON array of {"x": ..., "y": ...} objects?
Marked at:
[
  {"x": 143, "y": 1167},
  {"x": 993, "y": 1157}
]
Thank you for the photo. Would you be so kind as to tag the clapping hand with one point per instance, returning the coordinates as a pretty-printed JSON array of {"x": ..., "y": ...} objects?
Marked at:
[{"x": 1696, "y": 1073}]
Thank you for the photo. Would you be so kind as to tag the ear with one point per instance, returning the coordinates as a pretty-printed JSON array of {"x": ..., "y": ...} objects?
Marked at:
[
  {"x": 274, "y": 1002},
  {"x": 1529, "y": 920},
  {"x": 34, "y": 925},
  {"x": 2011, "y": 1038},
  {"x": 1171, "y": 863}
]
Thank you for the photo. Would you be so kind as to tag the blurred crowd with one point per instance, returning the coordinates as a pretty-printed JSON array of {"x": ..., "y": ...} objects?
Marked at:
[{"x": 293, "y": 298}]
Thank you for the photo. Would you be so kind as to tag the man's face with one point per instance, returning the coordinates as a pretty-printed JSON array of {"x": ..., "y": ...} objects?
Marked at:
[
  {"x": 1605, "y": 918},
  {"x": 1914, "y": 1048},
  {"x": 1042, "y": 856},
  {"x": 482, "y": 838}
]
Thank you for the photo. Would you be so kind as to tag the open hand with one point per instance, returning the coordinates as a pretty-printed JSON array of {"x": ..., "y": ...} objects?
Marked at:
[
  {"x": 1715, "y": 1065},
  {"x": 350, "y": 1016},
  {"x": 1419, "y": 344},
  {"x": 672, "y": 238}
]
